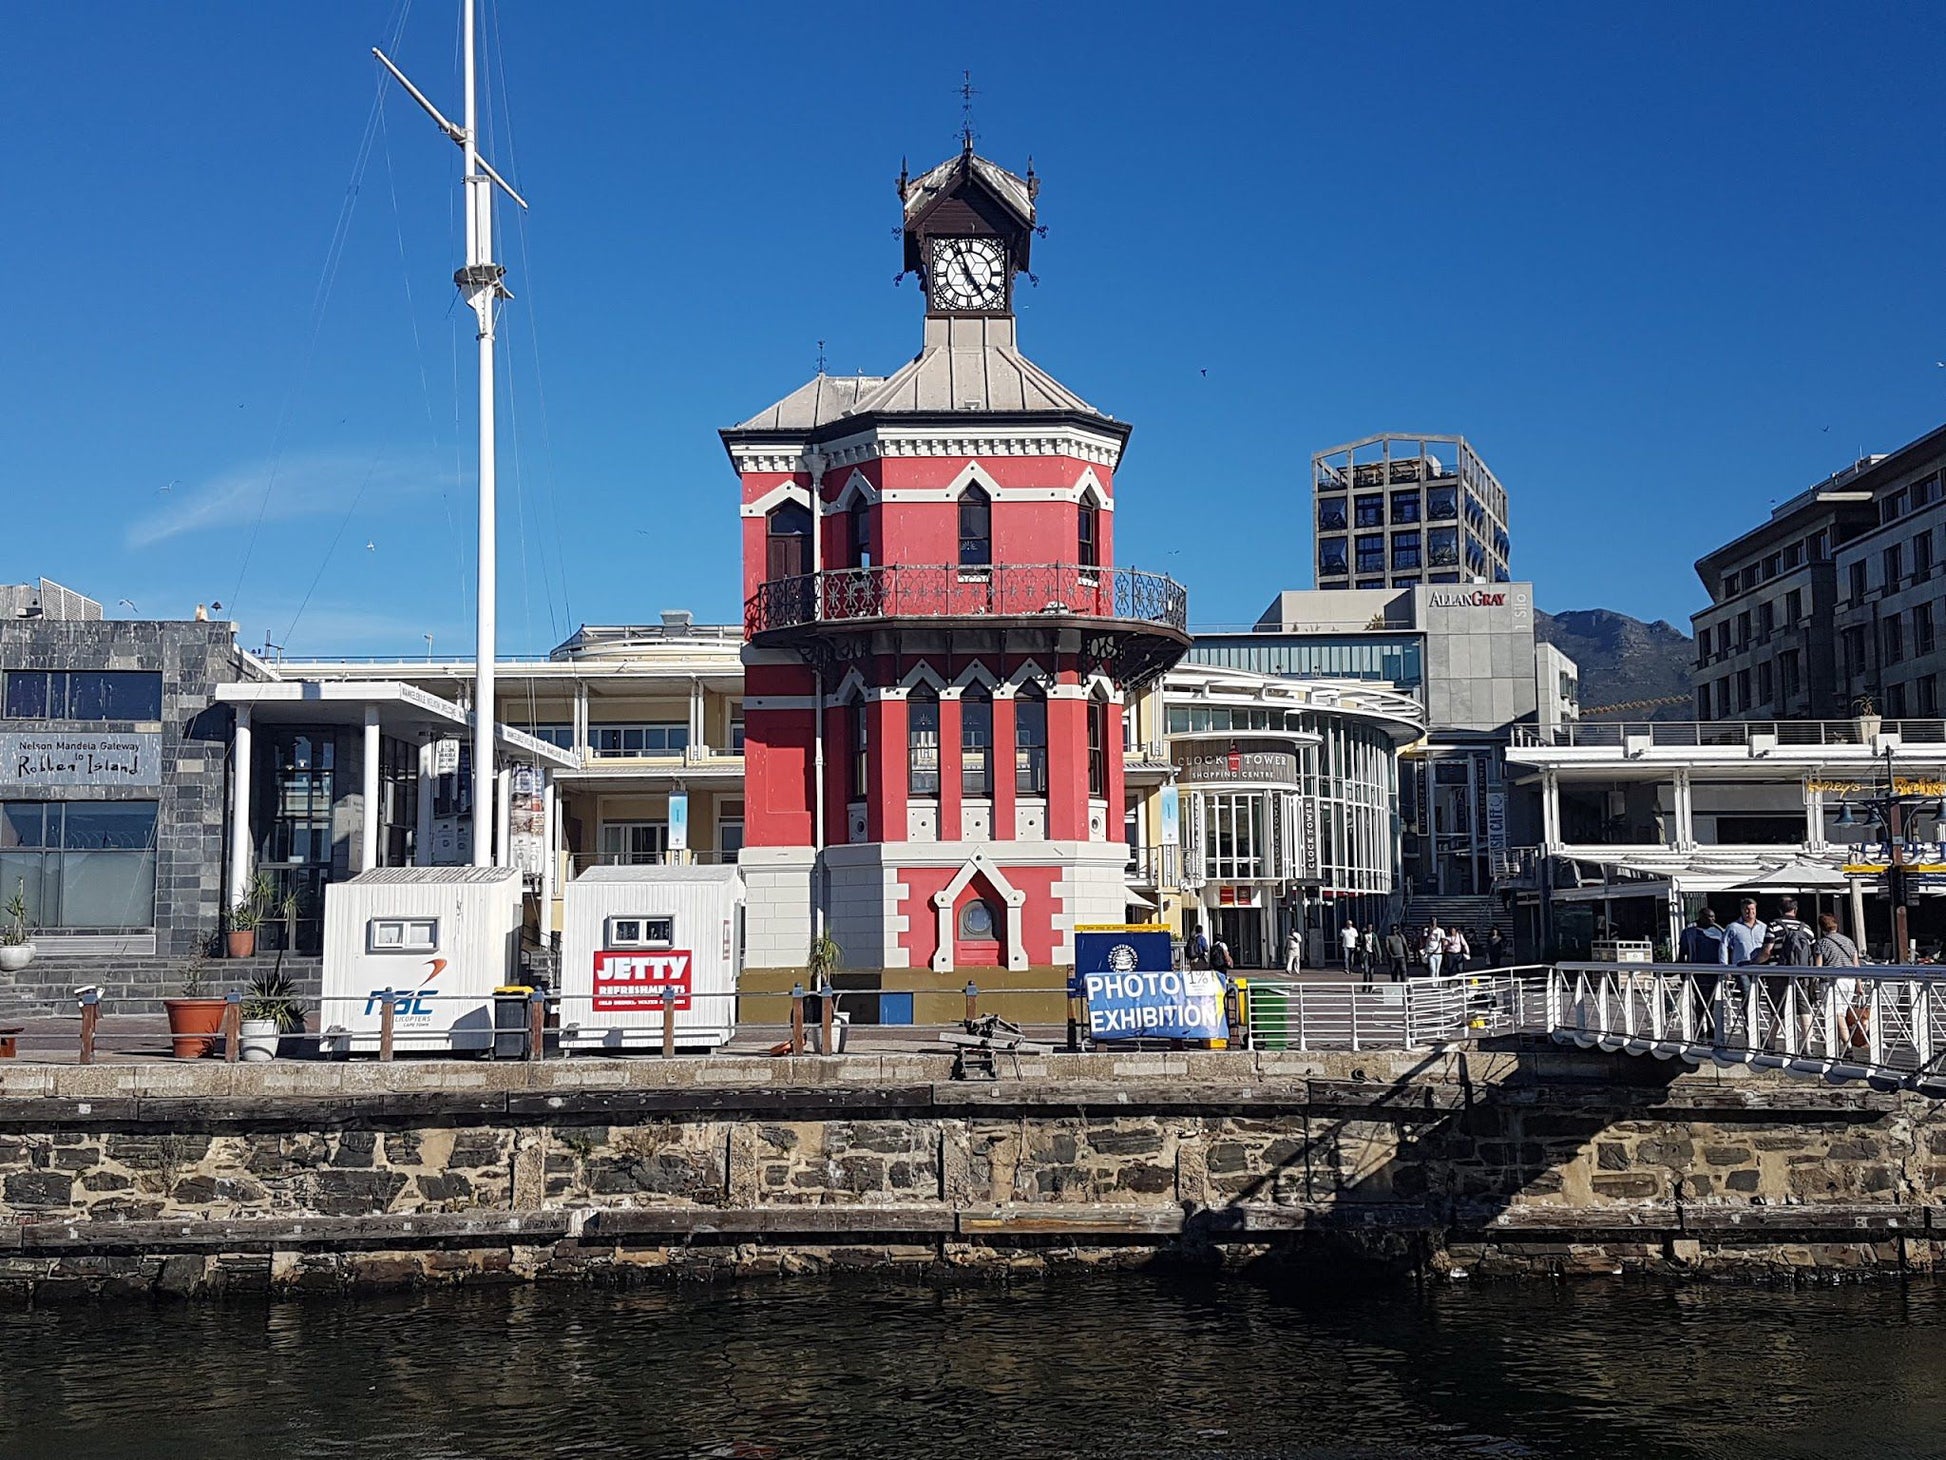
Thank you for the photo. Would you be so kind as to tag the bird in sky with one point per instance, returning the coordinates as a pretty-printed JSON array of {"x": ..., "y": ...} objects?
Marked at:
[
  {"x": 171, "y": 484},
  {"x": 371, "y": 547},
  {"x": 128, "y": 604}
]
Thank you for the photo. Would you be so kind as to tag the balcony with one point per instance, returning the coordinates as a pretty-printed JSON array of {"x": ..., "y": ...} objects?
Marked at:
[{"x": 1147, "y": 613}]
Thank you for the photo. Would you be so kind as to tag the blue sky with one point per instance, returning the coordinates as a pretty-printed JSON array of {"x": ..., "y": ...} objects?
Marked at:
[{"x": 1663, "y": 265}]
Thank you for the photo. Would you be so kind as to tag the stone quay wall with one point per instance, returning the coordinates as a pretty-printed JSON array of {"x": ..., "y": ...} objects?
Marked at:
[{"x": 203, "y": 1178}]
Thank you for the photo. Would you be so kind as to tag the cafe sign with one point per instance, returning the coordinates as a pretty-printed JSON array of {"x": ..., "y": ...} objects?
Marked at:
[
  {"x": 38, "y": 758},
  {"x": 1901, "y": 786}
]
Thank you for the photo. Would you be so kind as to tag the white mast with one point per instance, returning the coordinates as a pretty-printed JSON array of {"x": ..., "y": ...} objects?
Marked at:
[{"x": 481, "y": 282}]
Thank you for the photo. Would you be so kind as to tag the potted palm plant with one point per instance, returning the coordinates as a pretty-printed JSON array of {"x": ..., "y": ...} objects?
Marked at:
[
  {"x": 16, "y": 950},
  {"x": 248, "y": 915},
  {"x": 270, "y": 1011},
  {"x": 195, "y": 1018}
]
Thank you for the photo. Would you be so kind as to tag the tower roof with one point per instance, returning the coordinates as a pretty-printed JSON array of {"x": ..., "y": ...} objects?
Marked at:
[{"x": 924, "y": 192}]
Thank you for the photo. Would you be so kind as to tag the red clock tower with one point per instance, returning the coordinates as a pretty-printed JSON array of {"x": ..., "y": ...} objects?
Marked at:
[{"x": 937, "y": 640}]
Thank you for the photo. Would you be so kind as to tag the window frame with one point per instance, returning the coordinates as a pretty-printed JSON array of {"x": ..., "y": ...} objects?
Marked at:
[
  {"x": 405, "y": 944},
  {"x": 646, "y": 937},
  {"x": 975, "y": 527}
]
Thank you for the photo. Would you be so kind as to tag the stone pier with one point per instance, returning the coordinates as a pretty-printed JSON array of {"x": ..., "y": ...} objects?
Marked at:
[{"x": 204, "y": 1178}]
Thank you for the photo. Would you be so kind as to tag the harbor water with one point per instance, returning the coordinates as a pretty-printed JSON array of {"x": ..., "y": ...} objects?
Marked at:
[{"x": 1119, "y": 1365}]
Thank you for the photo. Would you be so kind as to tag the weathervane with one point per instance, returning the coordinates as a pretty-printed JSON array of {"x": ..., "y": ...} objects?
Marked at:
[{"x": 966, "y": 95}]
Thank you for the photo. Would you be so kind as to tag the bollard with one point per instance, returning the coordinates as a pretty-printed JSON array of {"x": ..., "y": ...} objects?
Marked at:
[
  {"x": 1074, "y": 1013},
  {"x": 826, "y": 1003},
  {"x": 797, "y": 1018},
  {"x": 536, "y": 1024},
  {"x": 668, "y": 1022},
  {"x": 90, "y": 1017},
  {"x": 972, "y": 1001},
  {"x": 385, "y": 1015},
  {"x": 232, "y": 1026}
]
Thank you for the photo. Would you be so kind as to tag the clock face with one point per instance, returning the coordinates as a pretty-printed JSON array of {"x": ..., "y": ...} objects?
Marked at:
[{"x": 968, "y": 274}]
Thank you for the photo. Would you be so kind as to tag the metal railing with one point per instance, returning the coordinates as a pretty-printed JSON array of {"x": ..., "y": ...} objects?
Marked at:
[
  {"x": 1880, "y": 1022},
  {"x": 901, "y": 590},
  {"x": 1413, "y": 1014},
  {"x": 1614, "y": 734}
]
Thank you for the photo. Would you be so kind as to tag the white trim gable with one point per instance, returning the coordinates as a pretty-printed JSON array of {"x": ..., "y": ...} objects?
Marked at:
[
  {"x": 1088, "y": 488},
  {"x": 777, "y": 496},
  {"x": 852, "y": 683},
  {"x": 856, "y": 485},
  {"x": 979, "y": 864},
  {"x": 1024, "y": 673},
  {"x": 922, "y": 673},
  {"x": 974, "y": 673}
]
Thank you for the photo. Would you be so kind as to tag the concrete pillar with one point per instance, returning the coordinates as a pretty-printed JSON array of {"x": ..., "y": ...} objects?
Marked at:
[
  {"x": 240, "y": 838},
  {"x": 1813, "y": 818},
  {"x": 422, "y": 830},
  {"x": 369, "y": 821},
  {"x": 581, "y": 718},
  {"x": 696, "y": 735},
  {"x": 503, "y": 818},
  {"x": 1685, "y": 811},
  {"x": 1550, "y": 809},
  {"x": 550, "y": 860}
]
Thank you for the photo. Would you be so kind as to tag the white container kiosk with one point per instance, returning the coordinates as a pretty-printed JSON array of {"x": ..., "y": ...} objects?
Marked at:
[
  {"x": 629, "y": 932},
  {"x": 441, "y": 938}
]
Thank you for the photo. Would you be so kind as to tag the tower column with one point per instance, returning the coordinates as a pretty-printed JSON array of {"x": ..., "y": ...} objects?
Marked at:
[
  {"x": 1003, "y": 767},
  {"x": 950, "y": 779},
  {"x": 1067, "y": 763},
  {"x": 885, "y": 807}
]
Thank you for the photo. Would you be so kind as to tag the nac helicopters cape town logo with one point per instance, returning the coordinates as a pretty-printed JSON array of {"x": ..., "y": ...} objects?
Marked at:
[
  {"x": 1133, "y": 991},
  {"x": 1476, "y": 598},
  {"x": 409, "y": 1003}
]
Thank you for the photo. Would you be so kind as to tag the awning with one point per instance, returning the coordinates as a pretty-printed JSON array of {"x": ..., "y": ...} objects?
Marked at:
[
  {"x": 1131, "y": 897},
  {"x": 1796, "y": 875}
]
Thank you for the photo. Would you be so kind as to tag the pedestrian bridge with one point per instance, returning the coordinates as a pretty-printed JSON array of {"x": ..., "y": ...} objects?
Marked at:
[{"x": 1882, "y": 1024}]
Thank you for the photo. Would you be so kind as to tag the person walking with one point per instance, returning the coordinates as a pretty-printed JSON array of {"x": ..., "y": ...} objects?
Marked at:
[
  {"x": 1396, "y": 952},
  {"x": 1704, "y": 941},
  {"x": 1219, "y": 960},
  {"x": 1747, "y": 935},
  {"x": 1293, "y": 951},
  {"x": 1792, "y": 944},
  {"x": 1435, "y": 949},
  {"x": 1348, "y": 946},
  {"x": 1458, "y": 950},
  {"x": 1496, "y": 949},
  {"x": 1834, "y": 950},
  {"x": 1368, "y": 951}
]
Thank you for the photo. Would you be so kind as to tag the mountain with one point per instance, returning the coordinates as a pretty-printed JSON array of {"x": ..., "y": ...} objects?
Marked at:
[{"x": 1624, "y": 660}]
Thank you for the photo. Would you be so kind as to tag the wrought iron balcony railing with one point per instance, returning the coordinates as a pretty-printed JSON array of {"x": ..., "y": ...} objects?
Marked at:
[{"x": 1016, "y": 590}]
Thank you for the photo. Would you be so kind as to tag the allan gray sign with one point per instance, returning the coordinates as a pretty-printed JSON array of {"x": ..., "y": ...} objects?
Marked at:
[{"x": 34, "y": 758}]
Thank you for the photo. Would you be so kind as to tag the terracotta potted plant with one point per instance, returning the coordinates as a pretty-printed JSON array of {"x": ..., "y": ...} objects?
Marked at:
[
  {"x": 248, "y": 915},
  {"x": 195, "y": 1019},
  {"x": 16, "y": 951},
  {"x": 270, "y": 1011}
]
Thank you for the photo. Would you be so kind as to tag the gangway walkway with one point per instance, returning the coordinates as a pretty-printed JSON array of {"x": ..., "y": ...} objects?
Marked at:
[
  {"x": 1313, "y": 1014},
  {"x": 1881, "y": 1023}
]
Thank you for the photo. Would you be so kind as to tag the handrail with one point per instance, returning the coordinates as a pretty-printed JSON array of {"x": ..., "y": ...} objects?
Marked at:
[
  {"x": 1616, "y": 734},
  {"x": 931, "y": 590}
]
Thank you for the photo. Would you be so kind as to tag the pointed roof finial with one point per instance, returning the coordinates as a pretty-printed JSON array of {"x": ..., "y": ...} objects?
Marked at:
[
  {"x": 820, "y": 357},
  {"x": 905, "y": 179},
  {"x": 966, "y": 95},
  {"x": 1033, "y": 183}
]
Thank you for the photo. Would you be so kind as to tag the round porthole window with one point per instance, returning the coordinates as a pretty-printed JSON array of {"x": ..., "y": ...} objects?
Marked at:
[{"x": 976, "y": 920}]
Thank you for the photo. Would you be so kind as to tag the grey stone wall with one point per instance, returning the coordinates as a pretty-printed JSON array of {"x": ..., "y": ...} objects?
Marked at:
[
  {"x": 135, "y": 1178},
  {"x": 192, "y": 657}
]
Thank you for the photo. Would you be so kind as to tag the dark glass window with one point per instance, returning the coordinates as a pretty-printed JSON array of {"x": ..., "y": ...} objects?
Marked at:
[
  {"x": 1371, "y": 553},
  {"x": 858, "y": 732},
  {"x": 1097, "y": 748},
  {"x": 1030, "y": 744},
  {"x": 1442, "y": 547},
  {"x": 1405, "y": 507},
  {"x": 1371, "y": 510},
  {"x": 976, "y": 744},
  {"x": 1088, "y": 527},
  {"x": 1405, "y": 552},
  {"x": 80, "y": 864},
  {"x": 1331, "y": 558},
  {"x": 922, "y": 745},
  {"x": 975, "y": 527},
  {"x": 1442, "y": 503},
  {"x": 83, "y": 694},
  {"x": 1331, "y": 514},
  {"x": 861, "y": 533}
]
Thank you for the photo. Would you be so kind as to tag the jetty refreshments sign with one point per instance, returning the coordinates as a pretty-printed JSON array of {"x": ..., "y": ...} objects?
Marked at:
[
  {"x": 37, "y": 758},
  {"x": 1124, "y": 974}
]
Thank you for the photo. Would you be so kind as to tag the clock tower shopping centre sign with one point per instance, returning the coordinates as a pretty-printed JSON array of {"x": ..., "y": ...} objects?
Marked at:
[{"x": 1244, "y": 761}]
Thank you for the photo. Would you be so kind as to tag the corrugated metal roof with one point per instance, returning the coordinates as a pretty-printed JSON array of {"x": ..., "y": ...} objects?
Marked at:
[
  {"x": 708, "y": 872},
  {"x": 925, "y": 188},
  {"x": 820, "y": 400},
  {"x": 433, "y": 876},
  {"x": 971, "y": 363}
]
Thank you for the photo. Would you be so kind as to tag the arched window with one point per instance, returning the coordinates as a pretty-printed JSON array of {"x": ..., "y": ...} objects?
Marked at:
[
  {"x": 789, "y": 542},
  {"x": 976, "y": 742},
  {"x": 922, "y": 744},
  {"x": 1088, "y": 533},
  {"x": 858, "y": 743},
  {"x": 860, "y": 518},
  {"x": 975, "y": 527},
  {"x": 1097, "y": 747},
  {"x": 979, "y": 921},
  {"x": 1030, "y": 743}
]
